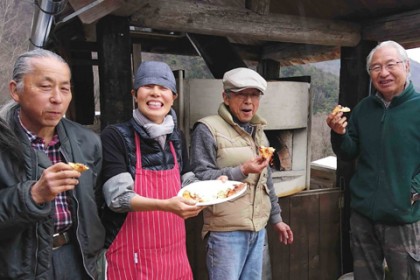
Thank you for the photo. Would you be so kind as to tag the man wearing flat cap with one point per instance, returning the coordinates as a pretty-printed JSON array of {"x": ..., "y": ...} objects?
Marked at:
[{"x": 227, "y": 144}]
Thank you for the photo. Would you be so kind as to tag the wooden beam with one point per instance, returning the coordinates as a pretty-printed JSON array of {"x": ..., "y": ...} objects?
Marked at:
[
  {"x": 101, "y": 9},
  {"x": 402, "y": 28},
  {"x": 261, "y": 7},
  {"x": 220, "y": 56},
  {"x": 178, "y": 46},
  {"x": 203, "y": 18},
  {"x": 294, "y": 54}
]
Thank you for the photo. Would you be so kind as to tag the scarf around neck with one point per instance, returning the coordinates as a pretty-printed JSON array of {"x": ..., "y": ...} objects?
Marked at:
[{"x": 155, "y": 131}]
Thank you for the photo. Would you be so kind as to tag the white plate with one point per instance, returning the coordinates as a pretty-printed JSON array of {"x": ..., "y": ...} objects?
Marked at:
[{"x": 208, "y": 190}]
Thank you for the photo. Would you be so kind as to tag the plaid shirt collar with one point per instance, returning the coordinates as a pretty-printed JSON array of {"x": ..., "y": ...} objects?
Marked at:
[{"x": 37, "y": 141}]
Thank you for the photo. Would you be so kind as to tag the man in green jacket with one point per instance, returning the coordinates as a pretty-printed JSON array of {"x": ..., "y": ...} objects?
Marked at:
[{"x": 383, "y": 134}]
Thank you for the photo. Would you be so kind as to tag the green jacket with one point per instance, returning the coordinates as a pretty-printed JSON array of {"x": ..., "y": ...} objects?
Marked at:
[{"x": 386, "y": 144}]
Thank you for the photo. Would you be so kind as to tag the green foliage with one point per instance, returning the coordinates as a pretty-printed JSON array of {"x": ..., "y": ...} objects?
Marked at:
[
  {"x": 324, "y": 85},
  {"x": 194, "y": 66}
]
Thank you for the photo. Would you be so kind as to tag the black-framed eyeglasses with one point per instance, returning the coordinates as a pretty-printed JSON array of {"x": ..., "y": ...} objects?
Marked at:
[{"x": 390, "y": 66}]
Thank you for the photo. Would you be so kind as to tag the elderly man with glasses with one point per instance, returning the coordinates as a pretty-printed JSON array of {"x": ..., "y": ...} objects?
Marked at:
[
  {"x": 227, "y": 144},
  {"x": 383, "y": 134}
]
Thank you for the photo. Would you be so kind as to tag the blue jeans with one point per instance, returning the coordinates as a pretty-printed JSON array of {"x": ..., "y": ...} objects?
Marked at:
[
  {"x": 67, "y": 264},
  {"x": 234, "y": 255}
]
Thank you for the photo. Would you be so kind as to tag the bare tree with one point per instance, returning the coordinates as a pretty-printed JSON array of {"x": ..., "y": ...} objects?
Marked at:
[{"x": 15, "y": 29}]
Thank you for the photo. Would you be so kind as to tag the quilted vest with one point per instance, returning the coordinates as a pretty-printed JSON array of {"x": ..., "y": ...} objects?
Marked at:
[{"x": 235, "y": 146}]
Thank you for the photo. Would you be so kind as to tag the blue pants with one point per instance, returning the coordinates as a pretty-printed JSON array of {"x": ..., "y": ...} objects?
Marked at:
[
  {"x": 67, "y": 264},
  {"x": 235, "y": 255}
]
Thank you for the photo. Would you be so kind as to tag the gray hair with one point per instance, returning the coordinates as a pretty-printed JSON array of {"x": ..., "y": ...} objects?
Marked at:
[
  {"x": 24, "y": 66},
  {"x": 401, "y": 51}
]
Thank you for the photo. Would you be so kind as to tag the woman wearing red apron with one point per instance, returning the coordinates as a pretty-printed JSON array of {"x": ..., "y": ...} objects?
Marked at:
[{"x": 143, "y": 162}]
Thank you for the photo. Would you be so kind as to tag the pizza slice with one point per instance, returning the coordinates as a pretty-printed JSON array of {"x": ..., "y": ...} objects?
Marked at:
[
  {"x": 340, "y": 108},
  {"x": 266, "y": 152},
  {"x": 78, "y": 166}
]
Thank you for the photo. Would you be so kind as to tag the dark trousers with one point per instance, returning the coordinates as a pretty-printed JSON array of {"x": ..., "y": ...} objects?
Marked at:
[
  {"x": 372, "y": 243},
  {"x": 67, "y": 264}
]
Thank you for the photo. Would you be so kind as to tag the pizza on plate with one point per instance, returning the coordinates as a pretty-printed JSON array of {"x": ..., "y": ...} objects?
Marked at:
[
  {"x": 78, "y": 166},
  {"x": 221, "y": 194},
  {"x": 192, "y": 196},
  {"x": 231, "y": 191}
]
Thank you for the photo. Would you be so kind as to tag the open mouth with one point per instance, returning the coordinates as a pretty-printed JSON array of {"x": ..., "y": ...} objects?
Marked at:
[
  {"x": 155, "y": 104},
  {"x": 385, "y": 82}
]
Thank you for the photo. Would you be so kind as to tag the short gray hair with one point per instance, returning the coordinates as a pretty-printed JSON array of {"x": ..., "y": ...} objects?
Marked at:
[
  {"x": 401, "y": 51},
  {"x": 23, "y": 64}
]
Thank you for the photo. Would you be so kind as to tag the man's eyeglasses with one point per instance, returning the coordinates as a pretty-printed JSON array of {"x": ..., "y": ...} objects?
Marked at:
[
  {"x": 390, "y": 66},
  {"x": 245, "y": 96}
]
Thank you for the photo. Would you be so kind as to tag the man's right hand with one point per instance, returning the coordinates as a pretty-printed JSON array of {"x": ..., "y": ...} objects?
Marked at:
[
  {"x": 337, "y": 122},
  {"x": 56, "y": 179},
  {"x": 255, "y": 165}
]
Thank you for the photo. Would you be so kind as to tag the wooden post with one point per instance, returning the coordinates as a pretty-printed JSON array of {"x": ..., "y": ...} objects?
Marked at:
[
  {"x": 115, "y": 75},
  {"x": 270, "y": 70},
  {"x": 354, "y": 86},
  {"x": 82, "y": 107}
]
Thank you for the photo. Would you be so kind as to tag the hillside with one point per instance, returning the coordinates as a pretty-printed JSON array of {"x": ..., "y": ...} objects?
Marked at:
[
  {"x": 333, "y": 67},
  {"x": 324, "y": 84}
]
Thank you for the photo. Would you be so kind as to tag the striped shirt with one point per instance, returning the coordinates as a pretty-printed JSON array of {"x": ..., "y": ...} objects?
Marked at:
[{"x": 62, "y": 218}]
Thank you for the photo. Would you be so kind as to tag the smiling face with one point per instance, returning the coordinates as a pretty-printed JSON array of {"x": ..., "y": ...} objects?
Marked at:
[
  {"x": 45, "y": 96},
  {"x": 389, "y": 81},
  {"x": 154, "y": 102},
  {"x": 243, "y": 104}
]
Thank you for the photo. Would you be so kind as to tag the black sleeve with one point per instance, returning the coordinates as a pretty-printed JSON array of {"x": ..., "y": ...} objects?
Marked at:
[{"x": 115, "y": 156}]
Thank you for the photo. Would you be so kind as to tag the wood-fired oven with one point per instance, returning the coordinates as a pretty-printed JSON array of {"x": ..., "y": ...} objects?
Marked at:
[{"x": 286, "y": 105}]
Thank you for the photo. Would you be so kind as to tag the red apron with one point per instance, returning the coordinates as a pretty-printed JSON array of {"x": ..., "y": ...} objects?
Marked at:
[{"x": 151, "y": 244}]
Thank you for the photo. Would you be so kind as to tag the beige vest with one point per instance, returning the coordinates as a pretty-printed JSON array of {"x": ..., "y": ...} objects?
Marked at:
[{"x": 235, "y": 146}]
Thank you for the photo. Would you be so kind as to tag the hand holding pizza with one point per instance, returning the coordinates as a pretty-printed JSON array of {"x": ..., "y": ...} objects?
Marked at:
[
  {"x": 57, "y": 178},
  {"x": 340, "y": 108},
  {"x": 336, "y": 121}
]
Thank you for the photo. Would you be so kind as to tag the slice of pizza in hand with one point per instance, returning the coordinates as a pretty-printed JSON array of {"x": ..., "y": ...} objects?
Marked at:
[
  {"x": 266, "y": 152},
  {"x": 78, "y": 166},
  {"x": 340, "y": 108}
]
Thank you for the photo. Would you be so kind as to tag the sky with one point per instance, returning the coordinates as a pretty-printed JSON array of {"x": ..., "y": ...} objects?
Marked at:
[{"x": 414, "y": 54}]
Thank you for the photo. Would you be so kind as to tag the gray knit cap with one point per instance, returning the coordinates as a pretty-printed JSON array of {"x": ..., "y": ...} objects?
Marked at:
[{"x": 155, "y": 73}]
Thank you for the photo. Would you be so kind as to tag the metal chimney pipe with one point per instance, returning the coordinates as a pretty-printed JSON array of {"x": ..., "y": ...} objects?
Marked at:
[{"x": 43, "y": 19}]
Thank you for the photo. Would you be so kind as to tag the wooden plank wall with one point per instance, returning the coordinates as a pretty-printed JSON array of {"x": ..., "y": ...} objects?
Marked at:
[{"x": 315, "y": 254}]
